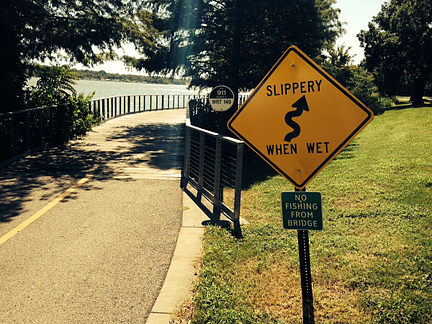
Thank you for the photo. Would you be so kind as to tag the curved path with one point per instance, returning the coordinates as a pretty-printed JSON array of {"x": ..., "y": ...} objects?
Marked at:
[{"x": 88, "y": 230}]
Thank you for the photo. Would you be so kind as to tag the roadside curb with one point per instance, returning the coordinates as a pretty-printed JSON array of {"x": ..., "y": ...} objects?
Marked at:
[{"x": 182, "y": 272}]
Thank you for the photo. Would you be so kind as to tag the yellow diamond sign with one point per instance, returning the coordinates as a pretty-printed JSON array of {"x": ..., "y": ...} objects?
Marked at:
[{"x": 299, "y": 118}]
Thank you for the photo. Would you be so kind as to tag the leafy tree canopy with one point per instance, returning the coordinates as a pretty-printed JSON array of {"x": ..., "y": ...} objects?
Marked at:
[
  {"x": 232, "y": 42},
  {"x": 55, "y": 86},
  {"x": 39, "y": 29},
  {"x": 398, "y": 47},
  {"x": 339, "y": 64}
]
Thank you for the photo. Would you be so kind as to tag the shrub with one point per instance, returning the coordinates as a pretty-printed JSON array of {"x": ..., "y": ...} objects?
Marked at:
[{"x": 56, "y": 88}]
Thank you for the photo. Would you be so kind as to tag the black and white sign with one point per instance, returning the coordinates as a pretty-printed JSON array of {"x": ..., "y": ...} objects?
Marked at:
[{"x": 221, "y": 98}]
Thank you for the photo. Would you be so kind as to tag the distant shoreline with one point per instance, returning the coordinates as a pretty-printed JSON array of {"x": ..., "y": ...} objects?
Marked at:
[{"x": 116, "y": 77}]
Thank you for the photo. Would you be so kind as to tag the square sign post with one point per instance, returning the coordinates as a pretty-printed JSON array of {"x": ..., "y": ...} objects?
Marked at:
[
  {"x": 298, "y": 119},
  {"x": 302, "y": 211}
]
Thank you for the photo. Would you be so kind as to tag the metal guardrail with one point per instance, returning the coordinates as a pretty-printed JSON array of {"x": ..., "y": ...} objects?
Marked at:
[
  {"x": 213, "y": 162},
  {"x": 112, "y": 107},
  {"x": 26, "y": 131}
]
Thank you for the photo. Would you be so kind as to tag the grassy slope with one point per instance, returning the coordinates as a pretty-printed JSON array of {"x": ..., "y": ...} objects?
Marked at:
[{"x": 371, "y": 264}]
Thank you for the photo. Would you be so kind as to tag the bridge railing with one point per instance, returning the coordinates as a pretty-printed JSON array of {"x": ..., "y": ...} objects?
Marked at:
[
  {"x": 26, "y": 131},
  {"x": 112, "y": 107},
  {"x": 213, "y": 167}
]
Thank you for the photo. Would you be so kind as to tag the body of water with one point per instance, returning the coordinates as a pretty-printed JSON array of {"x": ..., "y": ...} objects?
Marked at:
[{"x": 106, "y": 89}]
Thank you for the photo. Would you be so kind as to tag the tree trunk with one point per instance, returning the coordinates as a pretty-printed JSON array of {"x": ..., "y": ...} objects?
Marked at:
[
  {"x": 419, "y": 88},
  {"x": 235, "y": 63},
  {"x": 12, "y": 76}
]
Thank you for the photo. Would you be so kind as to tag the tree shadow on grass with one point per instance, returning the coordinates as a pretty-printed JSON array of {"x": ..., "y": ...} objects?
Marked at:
[
  {"x": 160, "y": 146},
  {"x": 256, "y": 170},
  {"x": 402, "y": 106},
  {"x": 348, "y": 152}
]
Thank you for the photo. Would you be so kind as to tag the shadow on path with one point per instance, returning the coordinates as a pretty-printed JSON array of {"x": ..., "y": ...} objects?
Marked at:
[{"x": 158, "y": 146}]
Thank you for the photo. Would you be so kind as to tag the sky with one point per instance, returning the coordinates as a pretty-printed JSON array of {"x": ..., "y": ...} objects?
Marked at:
[{"x": 355, "y": 13}]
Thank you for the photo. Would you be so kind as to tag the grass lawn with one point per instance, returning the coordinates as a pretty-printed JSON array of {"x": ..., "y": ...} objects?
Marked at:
[{"x": 372, "y": 263}]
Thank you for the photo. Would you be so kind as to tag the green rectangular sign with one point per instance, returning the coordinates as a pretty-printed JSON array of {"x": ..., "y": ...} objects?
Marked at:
[{"x": 302, "y": 210}]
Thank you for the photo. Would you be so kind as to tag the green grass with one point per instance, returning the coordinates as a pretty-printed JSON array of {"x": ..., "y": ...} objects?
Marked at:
[{"x": 372, "y": 263}]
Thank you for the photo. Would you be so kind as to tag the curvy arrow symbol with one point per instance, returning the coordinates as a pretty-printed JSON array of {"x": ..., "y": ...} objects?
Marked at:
[{"x": 301, "y": 106}]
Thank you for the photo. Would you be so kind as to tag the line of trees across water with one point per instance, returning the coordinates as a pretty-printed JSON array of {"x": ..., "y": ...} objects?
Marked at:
[{"x": 38, "y": 71}]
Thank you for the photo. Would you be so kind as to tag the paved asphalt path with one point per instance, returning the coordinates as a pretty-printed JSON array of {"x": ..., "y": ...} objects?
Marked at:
[{"x": 100, "y": 252}]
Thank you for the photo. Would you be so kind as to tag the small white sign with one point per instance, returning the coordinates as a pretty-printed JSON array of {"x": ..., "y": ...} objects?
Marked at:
[{"x": 221, "y": 98}]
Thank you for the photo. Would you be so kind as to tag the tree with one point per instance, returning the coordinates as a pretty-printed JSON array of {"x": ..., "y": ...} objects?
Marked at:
[
  {"x": 398, "y": 47},
  {"x": 55, "y": 87},
  {"x": 339, "y": 64},
  {"x": 38, "y": 30},
  {"x": 232, "y": 42}
]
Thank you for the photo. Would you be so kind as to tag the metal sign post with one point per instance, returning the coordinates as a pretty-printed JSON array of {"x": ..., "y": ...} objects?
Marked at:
[
  {"x": 305, "y": 274},
  {"x": 302, "y": 211},
  {"x": 306, "y": 277}
]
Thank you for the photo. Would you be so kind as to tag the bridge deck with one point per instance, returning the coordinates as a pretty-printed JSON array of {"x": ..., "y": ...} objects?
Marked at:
[
  {"x": 101, "y": 253},
  {"x": 146, "y": 145}
]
